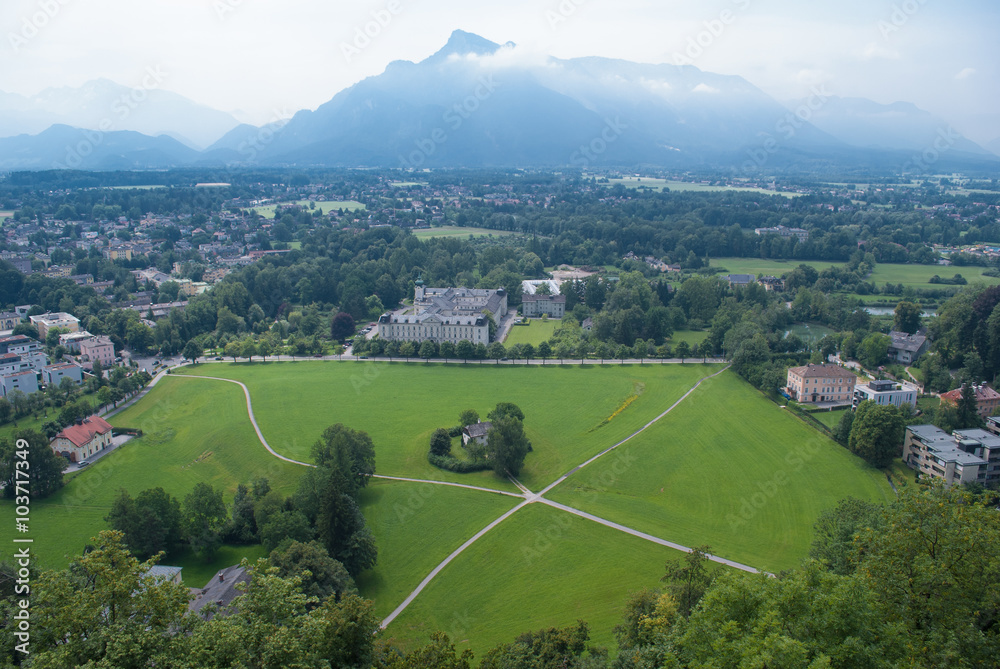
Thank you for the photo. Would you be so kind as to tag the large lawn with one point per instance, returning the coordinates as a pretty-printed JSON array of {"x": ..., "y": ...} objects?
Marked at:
[
  {"x": 401, "y": 404},
  {"x": 534, "y": 333},
  {"x": 459, "y": 232},
  {"x": 268, "y": 211},
  {"x": 690, "y": 187},
  {"x": 540, "y": 568},
  {"x": 757, "y": 266},
  {"x": 193, "y": 433},
  {"x": 730, "y": 469}
]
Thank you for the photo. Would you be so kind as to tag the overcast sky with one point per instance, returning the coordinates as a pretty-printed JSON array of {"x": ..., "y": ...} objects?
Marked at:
[{"x": 265, "y": 58}]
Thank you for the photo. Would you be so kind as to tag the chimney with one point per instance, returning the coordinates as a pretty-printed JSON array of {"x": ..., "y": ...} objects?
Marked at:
[{"x": 222, "y": 577}]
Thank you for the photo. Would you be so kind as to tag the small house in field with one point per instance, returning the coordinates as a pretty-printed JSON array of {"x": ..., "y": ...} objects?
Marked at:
[
  {"x": 80, "y": 441},
  {"x": 477, "y": 432}
]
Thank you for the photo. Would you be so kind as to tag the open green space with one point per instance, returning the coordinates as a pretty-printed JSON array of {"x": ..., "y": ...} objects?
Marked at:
[
  {"x": 194, "y": 431},
  {"x": 541, "y": 567},
  {"x": 692, "y": 337},
  {"x": 730, "y": 469},
  {"x": 416, "y": 526},
  {"x": 533, "y": 333},
  {"x": 919, "y": 276},
  {"x": 268, "y": 211},
  {"x": 401, "y": 404},
  {"x": 688, "y": 186},
  {"x": 456, "y": 231},
  {"x": 6, "y": 214},
  {"x": 811, "y": 332},
  {"x": 829, "y": 418},
  {"x": 758, "y": 266}
]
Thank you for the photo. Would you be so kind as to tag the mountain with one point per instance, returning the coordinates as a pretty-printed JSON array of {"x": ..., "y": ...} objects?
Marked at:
[
  {"x": 477, "y": 103},
  {"x": 994, "y": 146},
  {"x": 63, "y": 147},
  {"x": 898, "y": 126},
  {"x": 104, "y": 105}
]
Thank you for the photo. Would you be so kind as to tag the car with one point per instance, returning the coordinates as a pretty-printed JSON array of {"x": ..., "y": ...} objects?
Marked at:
[
  {"x": 82, "y": 463},
  {"x": 218, "y": 357},
  {"x": 318, "y": 355}
]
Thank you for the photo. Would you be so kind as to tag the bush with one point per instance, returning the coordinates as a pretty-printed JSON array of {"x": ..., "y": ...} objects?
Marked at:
[{"x": 453, "y": 464}]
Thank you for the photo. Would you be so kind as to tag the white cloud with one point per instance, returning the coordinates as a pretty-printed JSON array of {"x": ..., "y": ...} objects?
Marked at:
[
  {"x": 704, "y": 88},
  {"x": 966, "y": 73}
]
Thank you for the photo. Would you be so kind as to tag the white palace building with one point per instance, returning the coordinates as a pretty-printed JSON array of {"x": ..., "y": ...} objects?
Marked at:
[{"x": 445, "y": 314}]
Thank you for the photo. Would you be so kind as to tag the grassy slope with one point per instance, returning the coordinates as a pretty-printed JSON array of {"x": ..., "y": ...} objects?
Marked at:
[
  {"x": 194, "y": 433},
  {"x": 416, "y": 526},
  {"x": 539, "y": 568},
  {"x": 534, "y": 333},
  {"x": 562, "y": 411},
  {"x": 703, "y": 474}
]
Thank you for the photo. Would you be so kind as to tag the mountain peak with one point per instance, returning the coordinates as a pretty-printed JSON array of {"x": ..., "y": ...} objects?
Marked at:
[{"x": 462, "y": 43}]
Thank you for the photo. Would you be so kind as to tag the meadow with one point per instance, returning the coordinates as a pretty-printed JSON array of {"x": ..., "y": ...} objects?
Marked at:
[
  {"x": 730, "y": 469},
  {"x": 690, "y": 187},
  {"x": 192, "y": 434},
  {"x": 911, "y": 276},
  {"x": 268, "y": 211},
  {"x": 726, "y": 468},
  {"x": 534, "y": 333},
  {"x": 401, "y": 404},
  {"x": 453, "y": 231}
]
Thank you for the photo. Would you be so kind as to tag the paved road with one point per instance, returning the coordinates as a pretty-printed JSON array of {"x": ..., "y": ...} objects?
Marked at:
[
  {"x": 527, "y": 495},
  {"x": 348, "y": 357}
]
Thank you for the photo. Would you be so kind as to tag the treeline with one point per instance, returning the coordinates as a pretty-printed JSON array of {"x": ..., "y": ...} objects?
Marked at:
[
  {"x": 875, "y": 593},
  {"x": 324, "y": 509}
]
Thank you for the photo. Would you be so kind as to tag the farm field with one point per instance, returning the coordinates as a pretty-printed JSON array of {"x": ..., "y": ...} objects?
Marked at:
[
  {"x": 193, "y": 434},
  {"x": 556, "y": 568},
  {"x": 401, "y": 404},
  {"x": 6, "y": 214},
  {"x": 534, "y": 333},
  {"x": 455, "y": 231},
  {"x": 730, "y": 469},
  {"x": 757, "y": 266},
  {"x": 268, "y": 211}
]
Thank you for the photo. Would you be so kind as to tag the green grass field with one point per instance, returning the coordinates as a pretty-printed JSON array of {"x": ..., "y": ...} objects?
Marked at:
[
  {"x": 689, "y": 187},
  {"x": 829, "y": 418},
  {"x": 730, "y": 469},
  {"x": 540, "y": 568},
  {"x": 416, "y": 526},
  {"x": 459, "y": 232},
  {"x": 534, "y": 333},
  {"x": 692, "y": 337},
  {"x": 918, "y": 276},
  {"x": 401, "y": 404},
  {"x": 268, "y": 211},
  {"x": 193, "y": 433},
  {"x": 6, "y": 214},
  {"x": 757, "y": 266}
]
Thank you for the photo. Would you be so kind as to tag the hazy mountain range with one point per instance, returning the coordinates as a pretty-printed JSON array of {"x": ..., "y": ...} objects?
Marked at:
[{"x": 476, "y": 103}]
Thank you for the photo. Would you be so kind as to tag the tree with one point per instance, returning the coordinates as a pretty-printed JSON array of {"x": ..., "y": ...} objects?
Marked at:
[
  {"x": 233, "y": 349},
  {"x": 465, "y": 350},
  {"x": 105, "y": 610},
  {"x": 149, "y": 524},
  {"x": 441, "y": 442},
  {"x": 6, "y": 410},
  {"x": 348, "y": 452},
  {"x": 428, "y": 350},
  {"x": 967, "y": 412},
  {"x": 468, "y": 417},
  {"x": 45, "y": 474},
  {"x": 193, "y": 350},
  {"x": 907, "y": 317},
  {"x": 683, "y": 350},
  {"x": 342, "y": 326},
  {"x": 836, "y": 531},
  {"x": 438, "y": 654},
  {"x": 284, "y": 526},
  {"x": 688, "y": 578},
  {"x": 544, "y": 351},
  {"x": 407, "y": 350},
  {"x": 507, "y": 446},
  {"x": 874, "y": 350},
  {"x": 204, "y": 517},
  {"x": 248, "y": 348},
  {"x": 265, "y": 348},
  {"x": 505, "y": 410},
  {"x": 547, "y": 648},
  {"x": 321, "y": 575},
  {"x": 496, "y": 351},
  {"x": 341, "y": 527},
  {"x": 877, "y": 433},
  {"x": 447, "y": 350}
]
